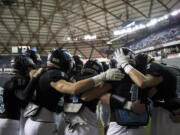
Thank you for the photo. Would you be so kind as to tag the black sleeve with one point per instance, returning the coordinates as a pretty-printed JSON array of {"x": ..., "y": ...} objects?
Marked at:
[
  {"x": 27, "y": 93},
  {"x": 143, "y": 95},
  {"x": 117, "y": 101},
  {"x": 58, "y": 75},
  {"x": 154, "y": 69}
]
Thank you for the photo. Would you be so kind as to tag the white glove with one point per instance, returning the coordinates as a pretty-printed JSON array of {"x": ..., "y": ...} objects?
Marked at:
[
  {"x": 113, "y": 74},
  {"x": 110, "y": 74},
  {"x": 121, "y": 58}
]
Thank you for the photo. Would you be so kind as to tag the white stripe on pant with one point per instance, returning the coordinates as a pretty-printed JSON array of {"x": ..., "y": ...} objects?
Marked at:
[
  {"x": 42, "y": 124},
  {"x": 116, "y": 129},
  {"x": 9, "y": 127},
  {"x": 39, "y": 128},
  {"x": 22, "y": 122}
]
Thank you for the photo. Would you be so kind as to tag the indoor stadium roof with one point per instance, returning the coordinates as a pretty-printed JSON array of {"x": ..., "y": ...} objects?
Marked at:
[{"x": 65, "y": 23}]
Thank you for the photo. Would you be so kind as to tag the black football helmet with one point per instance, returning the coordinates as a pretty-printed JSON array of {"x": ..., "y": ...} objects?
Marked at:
[
  {"x": 92, "y": 67},
  {"x": 23, "y": 64},
  {"x": 129, "y": 52},
  {"x": 105, "y": 65},
  {"x": 62, "y": 58},
  {"x": 34, "y": 56},
  {"x": 142, "y": 60},
  {"x": 78, "y": 64},
  {"x": 113, "y": 63}
]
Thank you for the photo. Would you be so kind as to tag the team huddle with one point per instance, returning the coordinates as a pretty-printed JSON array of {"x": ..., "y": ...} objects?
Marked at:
[{"x": 62, "y": 98}]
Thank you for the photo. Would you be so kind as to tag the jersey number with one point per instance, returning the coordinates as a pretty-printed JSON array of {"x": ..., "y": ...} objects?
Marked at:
[{"x": 2, "y": 108}]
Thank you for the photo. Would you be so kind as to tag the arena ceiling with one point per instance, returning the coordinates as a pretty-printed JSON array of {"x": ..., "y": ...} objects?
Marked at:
[{"x": 64, "y": 23}]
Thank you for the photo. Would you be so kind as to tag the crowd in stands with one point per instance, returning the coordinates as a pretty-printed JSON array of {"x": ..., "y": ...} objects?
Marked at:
[
  {"x": 165, "y": 36},
  {"x": 164, "y": 52}
]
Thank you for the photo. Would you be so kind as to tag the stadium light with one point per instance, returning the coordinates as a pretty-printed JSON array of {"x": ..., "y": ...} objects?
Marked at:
[
  {"x": 136, "y": 28},
  {"x": 86, "y": 37},
  {"x": 109, "y": 43},
  {"x": 152, "y": 22},
  {"x": 123, "y": 31},
  {"x": 142, "y": 26},
  {"x": 117, "y": 32},
  {"x": 132, "y": 27},
  {"x": 131, "y": 24},
  {"x": 68, "y": 38},
  {"x": 89, "y": 37},
  {"x": 163, "y": 18},
  {"x": 128, "y": 30},
  {"x": 93, "y": 37},
  {"x": 174, "y": 13}
]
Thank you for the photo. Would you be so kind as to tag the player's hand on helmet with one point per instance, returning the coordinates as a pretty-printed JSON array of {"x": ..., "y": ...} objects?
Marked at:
[
  {"x": 121, "y": 58},
  {"x": 36, "y": 73},
  {"x": 113, "y": 74}
]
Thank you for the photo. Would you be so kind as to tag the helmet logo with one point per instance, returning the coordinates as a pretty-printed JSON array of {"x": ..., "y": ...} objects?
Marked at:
[{"x": 55, "y": 60}]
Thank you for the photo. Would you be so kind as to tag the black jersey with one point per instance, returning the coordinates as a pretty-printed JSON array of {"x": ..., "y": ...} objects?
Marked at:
[
  {"x": 12, "y": 87},
  {"x": 47, "y": 96},
  {"x": 90, "y": 104},
  {"x": 76, "y": 98},
  {"x": 122, "y": 87},
  {"x": 125, "y": 88},
  {"x": 166, "y": 89}
]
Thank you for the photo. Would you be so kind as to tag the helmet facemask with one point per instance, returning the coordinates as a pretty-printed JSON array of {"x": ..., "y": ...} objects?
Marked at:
[{"x": 92, "y": 67}]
